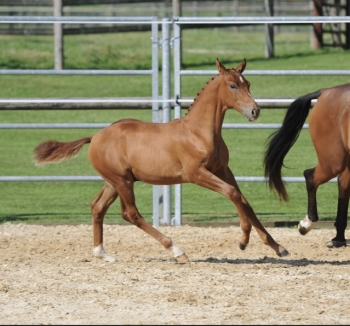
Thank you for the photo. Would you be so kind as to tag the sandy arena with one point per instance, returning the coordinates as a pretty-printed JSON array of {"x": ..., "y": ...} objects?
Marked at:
[{"x": 48, "y": 276}]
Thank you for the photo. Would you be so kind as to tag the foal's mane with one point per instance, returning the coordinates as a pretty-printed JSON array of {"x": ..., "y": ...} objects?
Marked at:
[
  {"x": 200, "y": 92},
  {"x": 204, "y": 87}
]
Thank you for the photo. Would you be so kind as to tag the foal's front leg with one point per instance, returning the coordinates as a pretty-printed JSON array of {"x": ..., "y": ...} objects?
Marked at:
[
  {"x": 245, "y": 225},
  {"x": 208, "y": 180}
]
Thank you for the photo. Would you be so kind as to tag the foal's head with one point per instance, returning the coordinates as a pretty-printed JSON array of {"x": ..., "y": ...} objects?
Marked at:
[{"x": 234, "y": 91}]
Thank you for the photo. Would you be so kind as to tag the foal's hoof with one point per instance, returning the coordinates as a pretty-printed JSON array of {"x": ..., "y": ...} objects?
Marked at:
[
  {"x": 100, "y": 253},
  {"x": 182, "y": 259},
  {"x": 109, "y": 259},
  {"x": 242, "y": 246},
  {"x": 283, "y": 253}
]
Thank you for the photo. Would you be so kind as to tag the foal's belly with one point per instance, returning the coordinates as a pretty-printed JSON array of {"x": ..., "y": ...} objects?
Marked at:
[{"x": 157, "y": 170}]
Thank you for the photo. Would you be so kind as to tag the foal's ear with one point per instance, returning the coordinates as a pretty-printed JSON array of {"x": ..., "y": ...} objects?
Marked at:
[
  {"x": 221, "y": 67},
  {"x": 240, "y": 68}
]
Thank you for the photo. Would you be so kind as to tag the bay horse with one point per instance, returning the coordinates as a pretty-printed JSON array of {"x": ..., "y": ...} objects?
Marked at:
[
  {"x": 329, "y": 128},
  {"x": 186, "y": 150}
]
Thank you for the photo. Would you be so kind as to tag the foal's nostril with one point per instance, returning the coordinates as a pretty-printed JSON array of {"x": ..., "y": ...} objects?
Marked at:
[{"x": 255, "y": 113}]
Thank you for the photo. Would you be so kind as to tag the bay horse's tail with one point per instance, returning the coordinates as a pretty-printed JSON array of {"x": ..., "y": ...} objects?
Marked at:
[
  {"x": 52, "y": 151},
  {"x": 281, "y": 141}
]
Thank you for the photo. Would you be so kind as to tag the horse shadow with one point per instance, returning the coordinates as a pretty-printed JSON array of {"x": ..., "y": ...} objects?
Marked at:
[{"x": 303, "y": 262}]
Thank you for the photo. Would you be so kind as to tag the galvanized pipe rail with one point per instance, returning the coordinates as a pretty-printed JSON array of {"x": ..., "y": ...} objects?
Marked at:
[
  {"x": 229, "y": 20},
  {"x": 98, "y": 178},
  {"x": 113, "y": 103}
]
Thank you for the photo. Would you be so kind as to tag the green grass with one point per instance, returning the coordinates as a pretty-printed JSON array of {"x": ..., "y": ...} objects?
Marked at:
[{"x": 39, "y": 202}]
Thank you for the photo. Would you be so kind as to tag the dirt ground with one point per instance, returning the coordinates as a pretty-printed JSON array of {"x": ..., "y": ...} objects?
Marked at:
[{"x": 48, "y": 276}]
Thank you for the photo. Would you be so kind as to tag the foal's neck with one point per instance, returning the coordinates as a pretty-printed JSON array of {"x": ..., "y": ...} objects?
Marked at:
[{"x": 207, "y": 111}]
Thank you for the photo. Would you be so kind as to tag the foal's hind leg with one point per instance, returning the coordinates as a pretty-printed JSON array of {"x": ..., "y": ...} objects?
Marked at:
[
  {"x": 131, "y": 214},
  {"x": 342, "y": 211},
  {"x": 99, "y": 207}
]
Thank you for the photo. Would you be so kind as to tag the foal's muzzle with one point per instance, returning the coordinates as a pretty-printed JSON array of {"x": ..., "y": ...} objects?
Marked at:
[
  {"x": 255, "y": 113},
  {"x": 252, "y": 114}
]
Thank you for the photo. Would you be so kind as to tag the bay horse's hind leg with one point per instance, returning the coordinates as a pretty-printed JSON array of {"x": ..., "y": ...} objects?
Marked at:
[
  {"x": 311, "y": 217},
  {"x": 342, "y": 210},
  {"x": 99, "y": 207},
  {"x": 314, "y": 178},
  {"x": 131, "y": 214}
]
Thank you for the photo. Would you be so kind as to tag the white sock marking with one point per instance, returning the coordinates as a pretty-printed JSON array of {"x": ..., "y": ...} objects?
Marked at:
[
  {"x": 306, "y": 223},
  {"x": 176, "y": 250},
  {"x": 99, "y": 252}
]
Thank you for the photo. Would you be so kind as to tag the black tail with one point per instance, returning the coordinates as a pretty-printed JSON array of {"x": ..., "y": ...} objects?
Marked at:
[{"x": 282, "y": 140}]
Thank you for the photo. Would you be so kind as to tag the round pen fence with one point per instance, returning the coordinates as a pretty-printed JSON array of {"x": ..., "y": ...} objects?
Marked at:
[{"x": 158, "y": 102}]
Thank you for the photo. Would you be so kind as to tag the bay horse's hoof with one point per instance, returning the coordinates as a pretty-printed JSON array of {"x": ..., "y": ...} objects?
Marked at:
[
  {"x": 242, "y": 246},
  {"x": 302, "y": 230},
  {"x": 305, "y": 225},
  {"x": 338, "y": 244},
  {"x": 182, "y": 259}
]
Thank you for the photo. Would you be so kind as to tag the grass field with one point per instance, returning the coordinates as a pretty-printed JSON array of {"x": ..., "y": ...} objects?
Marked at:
[{"x": 39, "y": 202}]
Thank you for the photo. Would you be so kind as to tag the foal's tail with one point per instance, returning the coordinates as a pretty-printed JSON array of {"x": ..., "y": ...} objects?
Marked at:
[
  {"x": 281, "y": 141},
  {"x": 52, "y": 151}
]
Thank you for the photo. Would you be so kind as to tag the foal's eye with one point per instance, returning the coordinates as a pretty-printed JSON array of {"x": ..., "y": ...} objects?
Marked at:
[{"x": 233, "y": 86}]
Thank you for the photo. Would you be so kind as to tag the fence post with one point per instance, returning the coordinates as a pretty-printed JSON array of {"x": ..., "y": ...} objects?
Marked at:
[
  {"x": 155, "y": 111},
  {"x": 269, "y": 37},
  {"x": 347, "y": 26},
  {"x": 166, "y": 108},
  {"x": 177, "y": 12},
  {"x": 317, "y": 37},
  {"x": 177, "y": 220},
  {"x": 58, "y": 35}
]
